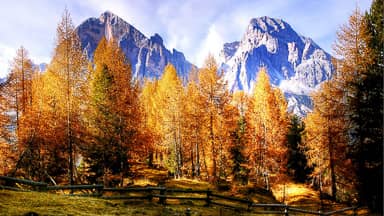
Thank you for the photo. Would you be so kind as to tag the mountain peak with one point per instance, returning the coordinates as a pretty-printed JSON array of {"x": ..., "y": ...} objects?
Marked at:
[
  {"x": 295, "y": 63},
  {"x": 107, "y": 13},
  {"x": 148, "y": 56},
  {"x": 156, "y": 38},
  {"x": 267, "y": 24},
  {"x": 109, "y": 17}
]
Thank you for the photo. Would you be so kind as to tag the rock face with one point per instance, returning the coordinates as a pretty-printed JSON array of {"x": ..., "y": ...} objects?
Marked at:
[
  {"x": 148, "y": 56},
  {"x": 294, "y": 63}
]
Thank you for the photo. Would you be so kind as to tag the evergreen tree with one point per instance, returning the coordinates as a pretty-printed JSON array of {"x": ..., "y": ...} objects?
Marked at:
[
  {"x": 368, "y": 156},
  {"x": 297, "y": 161},
  {"x": 114, "y": 115}
]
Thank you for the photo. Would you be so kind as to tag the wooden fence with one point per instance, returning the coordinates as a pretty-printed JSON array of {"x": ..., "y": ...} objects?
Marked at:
[{"x": 162, "y": 194}]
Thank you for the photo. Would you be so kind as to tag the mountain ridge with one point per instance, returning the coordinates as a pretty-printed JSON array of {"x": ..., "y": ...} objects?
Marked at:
[
  {"x": 295, "y": 63},
  {"x": 148, "y": 56}
]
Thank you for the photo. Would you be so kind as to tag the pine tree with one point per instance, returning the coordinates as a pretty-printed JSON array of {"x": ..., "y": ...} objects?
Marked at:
[
  {"x": 297, "y": 161},
  {"x": 114, "y": 115},
  {"x": 368, "y": 112},
  {"x": 359, "y": 46}
]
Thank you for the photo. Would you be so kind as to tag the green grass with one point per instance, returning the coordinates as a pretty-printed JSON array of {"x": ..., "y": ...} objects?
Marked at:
[{"x": 20, "y": 203}]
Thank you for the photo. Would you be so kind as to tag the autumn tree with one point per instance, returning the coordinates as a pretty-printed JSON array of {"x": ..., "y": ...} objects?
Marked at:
[
  {"x": 20, "y": 80},
  {"x": 360, "y": 49},
  {"x": 326, "y": 141},
  {"x": 151, "y": 124},
  {"x": 6, "y": 159},
  {"x": 193, "y": 117},
  {"x": 20, "y": 100},
  {"x": 114, "y": 115},
  {"x": 69, "y": 67},
  {"x": 169, "y": 95},
  {"x": 268, "y": 123},
  {"x": 239, "y": 140},
  {"x": 218, "y": 118}
]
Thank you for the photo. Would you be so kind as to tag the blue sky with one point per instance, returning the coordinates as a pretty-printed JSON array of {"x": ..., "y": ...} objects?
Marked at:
[{"x": 195, "y": 27}]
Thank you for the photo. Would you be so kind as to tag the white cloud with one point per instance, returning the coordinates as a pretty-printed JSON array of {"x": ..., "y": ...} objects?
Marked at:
[
  {"x": 212, "y": 44},
  {"x": 194, "y": 27},
  {"x": 6, "y": 54}
]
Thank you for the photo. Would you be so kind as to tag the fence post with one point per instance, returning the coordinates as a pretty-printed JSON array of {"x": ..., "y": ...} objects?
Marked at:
[
  {"x": 208, "y": 199},
  {"x": 286, "y": 210},
  {"x": 355, "y": 211},
  {"x": 249, "y": 204},
  {"x": 149, "y": 194},
  {"x": 42, "y": 188},
  {"x": 162, "y": 199},
  {"x": 320, "y": 213}
]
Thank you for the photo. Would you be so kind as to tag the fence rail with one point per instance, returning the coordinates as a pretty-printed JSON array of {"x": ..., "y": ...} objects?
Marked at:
[{"x": 163, "y": 194}]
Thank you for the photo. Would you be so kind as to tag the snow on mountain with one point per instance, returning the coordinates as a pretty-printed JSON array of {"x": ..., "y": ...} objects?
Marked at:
[
  {"x": 295, "y": 64},
  {"x": 148, "y": 56}
]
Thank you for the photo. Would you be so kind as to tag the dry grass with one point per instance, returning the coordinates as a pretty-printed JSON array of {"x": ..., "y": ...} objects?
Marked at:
[
  {"x": 184, "y": 183},
  {"x": 293, "y": 193}
]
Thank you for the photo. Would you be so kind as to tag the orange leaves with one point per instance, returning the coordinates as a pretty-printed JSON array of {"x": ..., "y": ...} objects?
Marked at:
[{"x": 268, "y": 126}]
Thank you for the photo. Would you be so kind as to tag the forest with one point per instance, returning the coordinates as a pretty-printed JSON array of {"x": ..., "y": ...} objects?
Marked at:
[{"x": 88, "y": 121}]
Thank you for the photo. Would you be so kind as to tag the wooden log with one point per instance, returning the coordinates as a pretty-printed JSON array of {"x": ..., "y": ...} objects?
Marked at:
[
  {"x": 177, "y": 190},
  {"x": 126, "y": 189},
  {"x": 226, "y": 205},
  {"x": 22, "y": 181},
  {"x": 75, "y": 187},
  {"x": 276, "y": 205},
  {"x": 11, "y": 188},
  {"x": 340, "y": 211},
  {"x": 123, "y": 197},
  {"x": 178, "y": 197},
  {"x": 231, "y": 198},
  {"x": 291, "y": 209}
]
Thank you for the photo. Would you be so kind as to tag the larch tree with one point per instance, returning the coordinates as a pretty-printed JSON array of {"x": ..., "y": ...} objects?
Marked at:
[
  {"x": 20, "y": 98},
  {"x": 20, "y": 81},
  {"x": 151, "y": 120},
  {"x": 359, "y": 46},
  {"x": 69, "y": 65},
  {"x": 6, "y": 155},
  {"x": 194, "y": 119},
  {"x": 170, "y": 94},
  {"x": 216, "y": 101},
  {"x": 238, "y": 159},
  {"x": 268, "y": 124},
  {"x": 326, "y": 140}
]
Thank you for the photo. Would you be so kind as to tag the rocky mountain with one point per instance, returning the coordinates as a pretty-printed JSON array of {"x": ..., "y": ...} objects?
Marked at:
[
  {"x": 148, "y": 56},
  {"x": 295, "y": 63}
]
